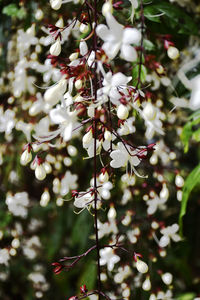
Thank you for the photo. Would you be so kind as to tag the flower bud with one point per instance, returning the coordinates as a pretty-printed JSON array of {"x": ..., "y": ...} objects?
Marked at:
[
  {"x": 40, "y": 173},
  {"x": 15, "y": 243},
  {"x": 78, "y": 84},
  {"x": 141, "y": 266},
  {"x": 173, "y": 52},
  {"x": 84, "y": 28},
  {"x": 47, "y": 167},
  {"x": 164, "y": 193},
  {"x": 55, "y": 48},
  {"x": 167, "y": 278},
  {"x": 107, "y": 135},
  {"x": 39, "y": 14},
  {"x": 122, "y": 112},
  {"x": 179, "y": 181},
  {"x": 56, "y": 4},
  {"x": 146, "y": 286},
  {"x": 73, "y": 56},
  {"x": 45, "y": 198},
  {"x": 25, "y": 157},
  {"x": 104, "y": 177},
  {"x": 149, "y": 112},
  {"x": 112, "y": 213},
  {"x": 72, "y": 150}
]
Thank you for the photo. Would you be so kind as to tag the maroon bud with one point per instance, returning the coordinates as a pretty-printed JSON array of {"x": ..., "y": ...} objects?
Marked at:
[
  {"x": 58, "y": 267},
  {"x": 83, "y": 289}
]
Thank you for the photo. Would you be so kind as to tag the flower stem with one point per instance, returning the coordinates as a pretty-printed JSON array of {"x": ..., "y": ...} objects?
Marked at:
[{"x": 95, "y": 151}]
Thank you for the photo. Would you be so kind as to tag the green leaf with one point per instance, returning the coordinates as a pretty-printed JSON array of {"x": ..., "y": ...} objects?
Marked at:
[
  {"x": 188, "y": 131},
  {"x": 188, "y": 296},
  {"x": 89, "y": 275},
  {"x": 148, "y": 45},
  {"x": 13, "y": 11},
  {"x": 192, "y": 180},
  {"x": 135, "y": 74},
  {"x": 174, "y": 16}
]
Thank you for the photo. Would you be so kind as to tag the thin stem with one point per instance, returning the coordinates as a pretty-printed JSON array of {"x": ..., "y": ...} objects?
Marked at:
[
  {"x": 141, "y": 45},
  {"x": 95, "y": 152}
]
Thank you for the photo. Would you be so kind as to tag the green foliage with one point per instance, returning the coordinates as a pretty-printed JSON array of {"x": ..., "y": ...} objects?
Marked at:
[
  {"x": 174, "y": 16},
  {"x": 192, "y": 180},
  {"x": 135, "y": 74},
  {"x": 88, "y": 276},
  {"x": 189, "y": 132},
  {"x": 188, "y": 296},
  {"x": 13, "y": 11}
]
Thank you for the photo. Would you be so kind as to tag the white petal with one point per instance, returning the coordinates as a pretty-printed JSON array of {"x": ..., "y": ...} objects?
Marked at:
[
  {"x": 111, "y": 49},
  {"x": 57, "y": 115},
  {"x": 176, "y": 237},
  {"x": 83, "y": 48},
  {"x": 103, "y": 32},
  {"x": 119, "y": 159},
  {"x": 67, "y": 132},
  {"x": 134, "y": 160},
  {"x": 128, "y": 53},
  {"x": 120, "y": 79},
  {"x": 116, "y": 28},
  {"x": 175, "y": 227},
  {"x": 164, "y": 241},
  {"x": 131, "y": 36}
]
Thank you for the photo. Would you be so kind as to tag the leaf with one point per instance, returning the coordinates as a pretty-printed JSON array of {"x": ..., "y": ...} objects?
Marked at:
[
  {"x": 13, "y": 11},
  {"x": 135, "y": 74},
  {"x": 89, "y": 275},
  {"x": 188, "y": 131},
  {"x": 188, "y": 296},
  {"x": 192, "y": 180},
  {"x": 148, "y": 45},
  {"x": 175, "y": 17}
]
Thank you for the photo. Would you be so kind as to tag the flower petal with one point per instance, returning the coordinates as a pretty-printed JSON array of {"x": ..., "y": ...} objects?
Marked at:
[
  {"x": 103, "y": 32},
  {"x": 131, "y": 36},
  {"x": 111, "y": 49},
  {"x": 128, "y": 53},
  {"x": 119, "y": 79}
]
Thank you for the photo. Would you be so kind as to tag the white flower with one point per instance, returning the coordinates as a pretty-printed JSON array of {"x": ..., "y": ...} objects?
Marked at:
[
  {"x": 31, "y": 246},
  {"x": 67, "y": 121},
  {"x": 156, "y": 203},
  {"x": 127, "y": 127},
  {"x": 18, "y": 204},
  {"x": 4, "y": 256},
  {"x": 151, "y": 115},
  {"x": 169, "y": 233},
  {"x": 122, "y": 273},
  {"x": 121, "y": 156},
  {"x": 89, "y": 146},
  {"x": 7, "y": 120},
  {"x": 117, "y": 38},
  {"x": 107, "y": 256},
  {"x": 68, "y": 183},
  {"x": 107, "y": 227},
  {"x": 84, "y": 199},
  {"x": 111, "y": 86}
]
